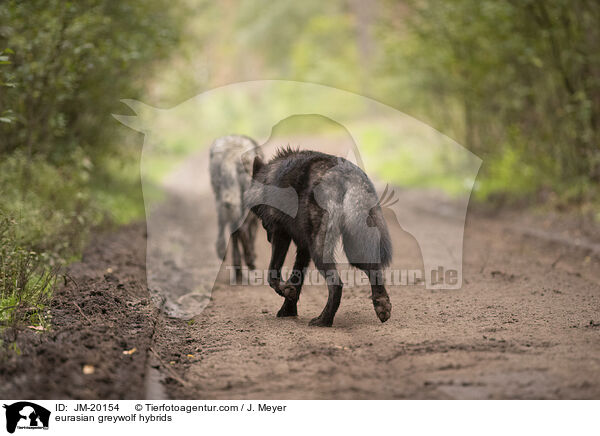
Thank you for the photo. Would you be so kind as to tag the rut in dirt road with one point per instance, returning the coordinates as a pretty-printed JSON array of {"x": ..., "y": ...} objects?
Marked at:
[{"x": 518, "y": 328}]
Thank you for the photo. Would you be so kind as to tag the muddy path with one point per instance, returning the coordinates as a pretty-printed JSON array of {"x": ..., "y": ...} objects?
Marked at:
[{"x": 526, "y": 323}]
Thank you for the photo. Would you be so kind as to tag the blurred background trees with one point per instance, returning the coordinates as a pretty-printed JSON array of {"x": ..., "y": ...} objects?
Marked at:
[
  {"x": 523, "y": 77},
  {"x": 63, "y": 68},
  {"x": 516, "y": 82}
]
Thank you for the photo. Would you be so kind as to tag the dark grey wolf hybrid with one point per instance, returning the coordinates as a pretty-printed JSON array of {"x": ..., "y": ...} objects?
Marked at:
[
  {"x": 231, "y": 159},
  {"x": 336, "y": 200}
]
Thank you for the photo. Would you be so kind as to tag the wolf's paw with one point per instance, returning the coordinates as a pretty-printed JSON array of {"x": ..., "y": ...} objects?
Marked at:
[
  {"x": 288, "y": 309},
  {"x": 290, "y": 292},
  {"x": 320, "y": 322},
  {"x": 276, "y": 286},
  {"x": 383, "y": 307}
]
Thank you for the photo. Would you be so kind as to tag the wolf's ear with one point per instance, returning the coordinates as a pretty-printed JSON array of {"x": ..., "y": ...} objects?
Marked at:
[{"x": 257, "y": 165}]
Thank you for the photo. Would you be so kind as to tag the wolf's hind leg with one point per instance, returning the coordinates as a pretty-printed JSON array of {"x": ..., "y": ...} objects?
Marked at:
[
  {"x": 380, "y": 297},
  {"x": 237, "y": 259},
  {"x": 334, "y": 286},
  {"x": 247, "y": 234}
]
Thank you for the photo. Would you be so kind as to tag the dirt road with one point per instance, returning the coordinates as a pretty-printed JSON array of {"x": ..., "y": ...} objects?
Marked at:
[{"x": 526, "y": 323}]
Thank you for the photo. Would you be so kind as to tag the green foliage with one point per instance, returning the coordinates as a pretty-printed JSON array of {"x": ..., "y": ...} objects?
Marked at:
[
  {"x": 6, "y": 115},
  {"x": 72, "y": 62},
  {"x": 521, "y": 75},
  {"x": 394, "y": 159},
  {"x": 499, "y": 177},
  {"x": 116, "y": 192},
  {"x": 516, "y": 82},
  {"x": 64, "y": 168},
  {"x": 51, "y": 203},
  {"x": 25, "y": 281}
]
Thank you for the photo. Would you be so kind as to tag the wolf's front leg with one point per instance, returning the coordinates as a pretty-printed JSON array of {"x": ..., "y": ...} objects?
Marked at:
[{"x": 280, "y": 243}]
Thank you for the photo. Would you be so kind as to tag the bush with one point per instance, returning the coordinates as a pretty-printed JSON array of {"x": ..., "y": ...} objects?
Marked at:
[
  {"x": 71, "y": 63},
  {"x": 64, "y": 66}
]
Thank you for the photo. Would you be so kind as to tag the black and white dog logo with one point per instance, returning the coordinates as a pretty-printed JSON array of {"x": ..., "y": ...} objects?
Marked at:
[{"x": 26, "y": 415}]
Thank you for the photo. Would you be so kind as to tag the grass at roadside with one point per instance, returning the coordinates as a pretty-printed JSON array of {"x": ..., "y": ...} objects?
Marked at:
[
  {"x": 26, "y": 282},
  {"x": 46, "y": 214}
]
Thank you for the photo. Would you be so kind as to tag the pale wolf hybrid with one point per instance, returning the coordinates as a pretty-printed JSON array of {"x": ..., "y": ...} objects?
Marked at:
[{"x": 231, "y": 159}]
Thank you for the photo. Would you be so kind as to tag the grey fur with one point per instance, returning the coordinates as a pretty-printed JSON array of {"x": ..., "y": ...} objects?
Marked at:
[
  {"x": 336, "y": 200},
  {"x": 231, "y": 159},
  {"x": 351, "y": 202}
]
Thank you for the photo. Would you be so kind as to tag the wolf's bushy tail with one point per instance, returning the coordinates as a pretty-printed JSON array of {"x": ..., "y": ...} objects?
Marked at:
[
  {"x": 366, "y": 238},
  {"x": 385, "y": 241}
]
